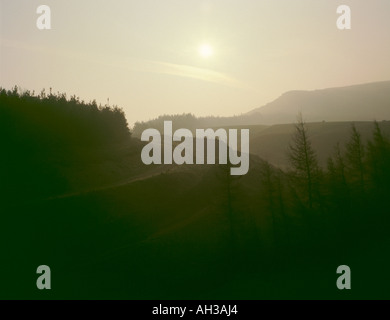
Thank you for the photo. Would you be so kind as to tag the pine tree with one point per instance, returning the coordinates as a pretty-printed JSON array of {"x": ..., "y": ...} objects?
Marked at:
[
  {"x": 379, "y": 158},
  {"x": 304, "y": 161},
  {"x": 356, "y": 157}
]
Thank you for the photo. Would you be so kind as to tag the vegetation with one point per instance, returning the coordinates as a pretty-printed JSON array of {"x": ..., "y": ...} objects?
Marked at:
[
  {"x": 53, "y": 119},
  {"x": 183, "y": 232},
  {"x": 43, "y": 135},
  {"x": 188, "y": 121}
]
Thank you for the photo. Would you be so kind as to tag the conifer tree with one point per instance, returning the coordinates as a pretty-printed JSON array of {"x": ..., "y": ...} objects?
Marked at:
[{"x": 304, "y": 161}]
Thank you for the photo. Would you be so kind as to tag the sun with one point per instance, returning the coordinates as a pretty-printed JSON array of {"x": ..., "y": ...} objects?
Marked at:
[{"x": 205, "y": 51}]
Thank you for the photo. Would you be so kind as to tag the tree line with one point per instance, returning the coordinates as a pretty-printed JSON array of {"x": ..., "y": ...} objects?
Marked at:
[
  {"x": 55, "y": 118},
  {"x": 42, "y": 132},
  {"x": 348, "y": 194}
]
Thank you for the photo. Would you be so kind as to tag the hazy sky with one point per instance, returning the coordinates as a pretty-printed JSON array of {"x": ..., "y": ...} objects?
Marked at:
[{"x": 144, "y": 54}]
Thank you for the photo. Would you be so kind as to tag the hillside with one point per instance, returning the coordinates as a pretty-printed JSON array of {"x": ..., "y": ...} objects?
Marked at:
[
  {"x": 53, "y": 145},
  {"x": 76, "y": 196},
  {"x": 365, "y": 102}
]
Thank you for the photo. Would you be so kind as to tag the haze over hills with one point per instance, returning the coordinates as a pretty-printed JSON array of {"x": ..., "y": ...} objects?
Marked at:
[
  {"x": 328, "y": 112},
  {"x": 365, "y": 102}
]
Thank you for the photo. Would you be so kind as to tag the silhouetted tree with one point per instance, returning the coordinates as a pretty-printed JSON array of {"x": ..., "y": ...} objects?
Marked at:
[
  {"x": 356, "y": 158},
  {"x": 379, "y": 158},
  {"x": 304, "y": 161}
]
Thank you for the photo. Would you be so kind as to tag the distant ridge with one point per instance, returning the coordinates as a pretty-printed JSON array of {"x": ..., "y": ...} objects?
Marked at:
[{"x": 364, "y": 102}]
